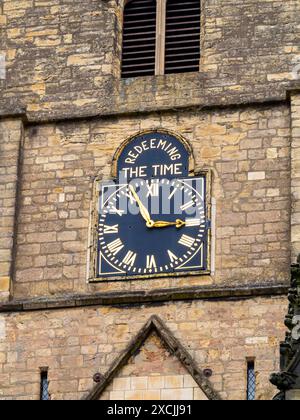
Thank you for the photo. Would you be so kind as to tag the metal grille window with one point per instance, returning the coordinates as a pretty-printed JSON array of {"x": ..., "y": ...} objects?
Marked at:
[
  {"x": 161, "y": 37},
  {"x": 251, "y": 381},
  {"x": 182, "y": 48},
  {"x": 44, "y": 386}
]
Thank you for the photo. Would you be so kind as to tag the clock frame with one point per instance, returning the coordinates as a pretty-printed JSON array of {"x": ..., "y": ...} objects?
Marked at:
[{"x": 95, "y": 250}]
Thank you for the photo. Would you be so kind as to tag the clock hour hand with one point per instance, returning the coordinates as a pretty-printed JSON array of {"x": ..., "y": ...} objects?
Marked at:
[
  {"x": 144, "y": 212},
  {"x": 159, "y": 224}
]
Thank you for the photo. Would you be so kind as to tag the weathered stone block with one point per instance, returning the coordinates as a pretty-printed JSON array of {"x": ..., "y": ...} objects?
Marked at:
[{"x": 5, "y": 284}]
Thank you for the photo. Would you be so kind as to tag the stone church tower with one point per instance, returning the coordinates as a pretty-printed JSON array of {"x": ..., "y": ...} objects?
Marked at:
[{"x": 205, "y": 92}]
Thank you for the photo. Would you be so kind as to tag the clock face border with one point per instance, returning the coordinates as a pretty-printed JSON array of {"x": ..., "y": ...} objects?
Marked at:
[{"x": 94, "y": 251}]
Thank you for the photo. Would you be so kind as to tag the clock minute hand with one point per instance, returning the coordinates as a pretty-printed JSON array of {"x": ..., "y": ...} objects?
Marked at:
[
  {"x": 160, "y": 224},
  {"x": 144, "y": 212}
]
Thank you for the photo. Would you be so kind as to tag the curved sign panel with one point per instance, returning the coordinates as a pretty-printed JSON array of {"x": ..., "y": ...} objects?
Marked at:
[{"x": 154, "y": 155}]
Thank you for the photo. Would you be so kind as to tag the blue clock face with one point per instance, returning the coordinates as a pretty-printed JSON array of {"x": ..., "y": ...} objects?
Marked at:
[{"x": 152, "y": 228}]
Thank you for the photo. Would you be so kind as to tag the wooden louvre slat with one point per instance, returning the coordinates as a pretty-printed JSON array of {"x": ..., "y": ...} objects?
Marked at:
[
  {"x": 182, "y": 50},
  {"x": 139, "y": 38}
]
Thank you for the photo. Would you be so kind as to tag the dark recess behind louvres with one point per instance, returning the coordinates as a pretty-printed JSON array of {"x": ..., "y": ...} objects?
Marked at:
[
  {"x": 182, "y": 36},
  {"x": 139, "y": 38}
]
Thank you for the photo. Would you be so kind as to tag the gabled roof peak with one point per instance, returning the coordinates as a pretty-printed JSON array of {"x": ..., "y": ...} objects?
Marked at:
[{"x": 155, "y": 324}]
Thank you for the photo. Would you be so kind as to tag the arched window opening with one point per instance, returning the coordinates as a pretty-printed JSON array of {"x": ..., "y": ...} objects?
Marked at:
[
  {"x": 139, "y": 38},
  {"x": 182, "y": 43}
]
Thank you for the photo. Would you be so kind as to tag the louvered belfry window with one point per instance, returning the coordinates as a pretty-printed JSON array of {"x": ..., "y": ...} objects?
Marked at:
[
  {"x": 139, "y": 38},
  {"x": 161, "y": 37},
  {"x": 182, "y": 36}
]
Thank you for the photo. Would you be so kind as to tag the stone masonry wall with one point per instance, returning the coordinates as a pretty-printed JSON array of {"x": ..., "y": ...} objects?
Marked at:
[
  {"x": 154, "y": 387},
  {"x": 295, "y": 175},
  {"x": 11, "y": 139},
  {"x": 77, "y": 343},
  {"x": 248, "y": 152},
  {"x": 63, "y": 58}
]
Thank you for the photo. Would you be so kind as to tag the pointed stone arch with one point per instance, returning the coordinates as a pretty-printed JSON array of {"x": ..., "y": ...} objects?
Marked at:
[{"x": 155, "y": 325}]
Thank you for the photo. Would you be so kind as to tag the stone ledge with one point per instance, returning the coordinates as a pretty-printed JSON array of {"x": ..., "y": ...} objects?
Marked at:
[
  {"x": 156, "y": 296},
  {"x": 293, "y": 88},
  {"x": 13, "y": 111},
  {"x": 48, "y": 116}
]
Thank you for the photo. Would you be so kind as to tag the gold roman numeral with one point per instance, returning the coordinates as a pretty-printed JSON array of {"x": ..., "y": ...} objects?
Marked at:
[
  {"x": 153, "y": 189},
  {"x": 115, "y": 247},
  {"x": 173, "y": 193},
  {"x": 114, "y": 210},
  {"x": 131, "y": 197},
  {"x": 192, "y": 222},
  {"x": 187, "y": 205},
  {"x": 151, "y": 263},
  {"x": 129, "y": 258},
  {"x": 187, "y": 241},
  {"x": 108, "y": 230},
  {"x": 172, "y": 256}
]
